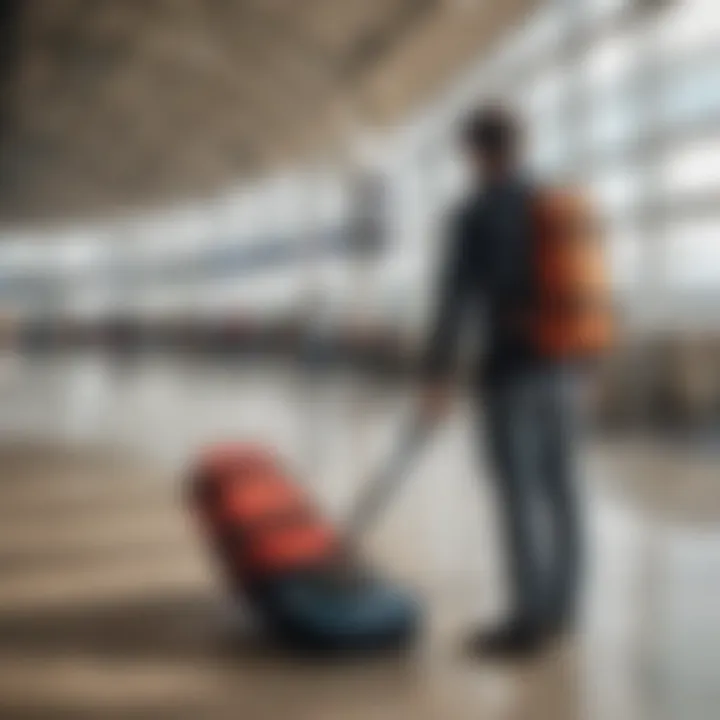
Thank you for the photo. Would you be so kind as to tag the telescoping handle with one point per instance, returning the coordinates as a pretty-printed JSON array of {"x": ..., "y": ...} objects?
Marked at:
[{"x": 378, "y": 493}]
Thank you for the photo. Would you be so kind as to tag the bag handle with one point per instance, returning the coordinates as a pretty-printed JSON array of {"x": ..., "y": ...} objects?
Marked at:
[{"x": 383, "y": 486}]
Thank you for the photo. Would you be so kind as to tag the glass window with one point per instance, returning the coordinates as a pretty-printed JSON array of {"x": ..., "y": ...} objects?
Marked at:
[
  {"x": 548, "y": 151},
  {"x": 613, "y": 120},
  {"x": 546, "y": 93},
  {"x": 625, "y": 253},
  {"x": 609, "y": 72},
  {"x": 598, "y": 10},
  {"x": 691, "y": 90},
  {"x": 616, "y": 193},
  {"x": 693, "y": 258},
  {"x": 692, "y": 168},
  {"x": 688, "y": 25},
  {"x": 610, "y": 61},
  {"x": 541, "y": 104},
  {"x": 539, "y": 37}
]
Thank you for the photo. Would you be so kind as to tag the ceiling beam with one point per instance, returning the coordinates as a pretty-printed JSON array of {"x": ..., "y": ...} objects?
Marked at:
[{"x": 370, "y": 49}]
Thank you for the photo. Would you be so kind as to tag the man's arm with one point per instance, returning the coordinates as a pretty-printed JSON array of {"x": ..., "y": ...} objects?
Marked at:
[{"x": 454, "y": 293}]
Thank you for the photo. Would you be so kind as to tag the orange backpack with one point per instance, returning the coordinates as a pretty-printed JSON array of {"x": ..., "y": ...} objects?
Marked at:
[{"x": 571, "y": 315}]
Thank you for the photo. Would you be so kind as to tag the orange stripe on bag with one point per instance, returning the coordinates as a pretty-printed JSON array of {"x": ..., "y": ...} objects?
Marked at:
[
  {"x": 291, "y": 547},
  {"x": 261, "y": 497}
]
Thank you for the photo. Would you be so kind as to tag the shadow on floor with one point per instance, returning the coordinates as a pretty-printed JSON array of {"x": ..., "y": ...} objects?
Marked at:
[
  {"x": 184, "y": 638},
  {"x": 167, "y": 628}
]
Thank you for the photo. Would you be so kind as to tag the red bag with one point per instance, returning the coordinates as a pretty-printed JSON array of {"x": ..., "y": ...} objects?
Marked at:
[{"x": 259, "y": 521}]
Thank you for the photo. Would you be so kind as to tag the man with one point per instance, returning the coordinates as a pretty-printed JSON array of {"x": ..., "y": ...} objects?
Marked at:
[{"x": 528, "y": 397}]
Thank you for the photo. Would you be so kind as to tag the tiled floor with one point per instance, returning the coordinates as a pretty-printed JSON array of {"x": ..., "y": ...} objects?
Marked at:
[{"x": 108, "y": 607}]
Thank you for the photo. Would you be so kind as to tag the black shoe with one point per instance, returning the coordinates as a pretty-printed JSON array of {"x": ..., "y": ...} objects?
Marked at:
[
  {"x": 516, "y": 639},
  {"x": 559, "y": 627}
]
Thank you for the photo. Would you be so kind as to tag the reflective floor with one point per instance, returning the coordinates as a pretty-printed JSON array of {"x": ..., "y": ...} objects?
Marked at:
[{"x": 109, "y": 608}]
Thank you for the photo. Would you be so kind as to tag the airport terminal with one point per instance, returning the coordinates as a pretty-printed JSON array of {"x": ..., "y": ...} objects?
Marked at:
[{"x": 221, "y": 223}]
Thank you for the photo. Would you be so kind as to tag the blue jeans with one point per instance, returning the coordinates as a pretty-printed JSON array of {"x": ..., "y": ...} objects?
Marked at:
[{"x": 532, "y": 428}]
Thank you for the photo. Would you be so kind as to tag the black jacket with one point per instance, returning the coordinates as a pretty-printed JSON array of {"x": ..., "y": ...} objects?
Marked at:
[{"x": 486, "y": 277}]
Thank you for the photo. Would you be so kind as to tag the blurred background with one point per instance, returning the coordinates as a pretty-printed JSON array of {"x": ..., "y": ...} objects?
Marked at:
[{"x": 220, "y": 219}]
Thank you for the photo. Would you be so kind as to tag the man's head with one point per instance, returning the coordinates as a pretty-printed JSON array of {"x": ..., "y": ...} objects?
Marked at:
[{"x": 492, "y": 138}]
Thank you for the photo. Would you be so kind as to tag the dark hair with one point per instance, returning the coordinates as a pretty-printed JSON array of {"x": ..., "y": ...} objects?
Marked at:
[{"x": 492, "y": 130}]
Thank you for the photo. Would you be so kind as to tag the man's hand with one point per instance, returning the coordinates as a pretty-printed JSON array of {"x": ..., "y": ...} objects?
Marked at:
[{"x": 435, "y": 400}]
